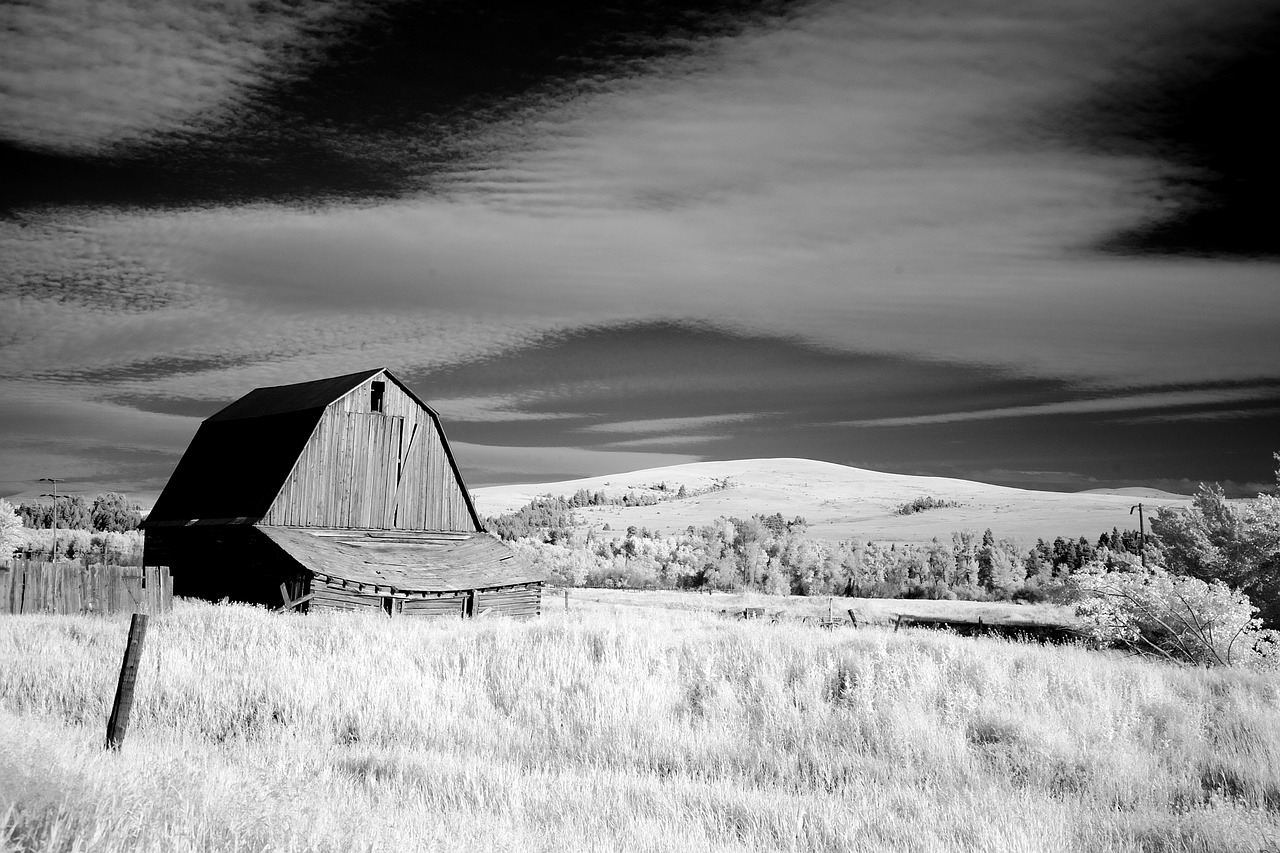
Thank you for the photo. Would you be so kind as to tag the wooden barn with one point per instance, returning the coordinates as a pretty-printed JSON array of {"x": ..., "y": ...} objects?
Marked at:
[{"x": 342, "y": 492}]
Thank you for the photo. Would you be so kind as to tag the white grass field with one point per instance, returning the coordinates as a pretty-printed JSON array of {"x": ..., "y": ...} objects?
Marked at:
[
  {"x": 842, "y": 503},
  {"x": 612, "y": 727}
]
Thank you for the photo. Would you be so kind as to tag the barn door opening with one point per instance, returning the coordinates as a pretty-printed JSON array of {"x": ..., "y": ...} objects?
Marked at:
[{"x": 392, "y": 606}]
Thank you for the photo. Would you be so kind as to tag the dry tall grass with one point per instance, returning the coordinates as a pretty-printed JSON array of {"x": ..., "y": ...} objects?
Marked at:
[{"x": 628, "y": 730}]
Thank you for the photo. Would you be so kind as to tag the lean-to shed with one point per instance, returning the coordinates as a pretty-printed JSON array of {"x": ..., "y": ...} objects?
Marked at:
[{"x": 342, "y": 489}]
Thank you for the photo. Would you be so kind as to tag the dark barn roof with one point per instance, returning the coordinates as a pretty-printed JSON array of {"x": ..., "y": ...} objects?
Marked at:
[
  {"x": 234, "y": 468},
  {"x": 282, "y": 399}
]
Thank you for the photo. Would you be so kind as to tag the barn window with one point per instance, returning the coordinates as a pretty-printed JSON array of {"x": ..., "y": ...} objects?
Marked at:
[{"x": 375, "y": 396}]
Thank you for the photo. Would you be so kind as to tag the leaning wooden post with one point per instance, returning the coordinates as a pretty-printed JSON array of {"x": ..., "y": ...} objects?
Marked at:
[
  {"x": 566, "y": 601},
  {"x": 119, "y": 722}
]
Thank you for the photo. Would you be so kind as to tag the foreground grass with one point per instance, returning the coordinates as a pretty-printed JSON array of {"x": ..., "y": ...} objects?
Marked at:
[{"x": 619, "y": 730}]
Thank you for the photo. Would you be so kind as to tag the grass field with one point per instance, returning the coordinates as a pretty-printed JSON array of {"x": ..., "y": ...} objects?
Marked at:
[{"x": 619, "y": 728}]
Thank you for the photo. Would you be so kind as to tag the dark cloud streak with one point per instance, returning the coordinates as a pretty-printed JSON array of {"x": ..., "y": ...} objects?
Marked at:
[
  {"x": 399, "y": 97},
  {"x": 1200, "y": 100}
]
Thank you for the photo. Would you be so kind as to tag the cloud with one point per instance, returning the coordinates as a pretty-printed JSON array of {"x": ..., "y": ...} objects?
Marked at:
[
  {"x": 500, "y": 408},
  {"x": 702, "y": 440},
  {"x": 984, "y": 289},
  {"x": 1127, "y": 403},
  {"x": 1266, "y": 412},
  {"x": 668, "y": 425},
  {"x": 488, "y": 465},
  {"x": 85, "y": 77},
  {"x": 93, "y": 445}
]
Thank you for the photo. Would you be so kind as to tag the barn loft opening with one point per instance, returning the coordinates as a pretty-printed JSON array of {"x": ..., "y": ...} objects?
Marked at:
[{"x": 376, "y": 391}]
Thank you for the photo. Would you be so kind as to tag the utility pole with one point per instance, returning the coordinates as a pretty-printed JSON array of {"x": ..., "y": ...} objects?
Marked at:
[
  {"x": 1142, "y": 534},
  {"x": 53, "y": 558}
]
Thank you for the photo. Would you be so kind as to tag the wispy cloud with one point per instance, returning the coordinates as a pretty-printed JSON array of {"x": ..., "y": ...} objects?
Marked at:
[
  {"x": 87, "y": 76},
  {"x": 500, "y": 408},
  {"x": 699, "y": 440},
  {"x": 488, "y": 464},
  {"x": 671, "y": 425},
  {"x": 1222, "y": 415},
  {"x": 1094, "y": 405}
]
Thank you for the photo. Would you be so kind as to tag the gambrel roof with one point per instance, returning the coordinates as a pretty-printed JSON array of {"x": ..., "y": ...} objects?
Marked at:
[
  {"x": 241, "y": 456},
  {"x": 299, "y": 397}
]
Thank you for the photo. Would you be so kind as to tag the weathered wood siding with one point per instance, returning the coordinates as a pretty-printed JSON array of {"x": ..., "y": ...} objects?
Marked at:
[
  {"x": 520, "y": 601},
  {"x": 367, "y": 469},
  {"x": 70, "y": 587},
  {"x": 332, "y": 596},
  {"x": 449, "y": 606}
]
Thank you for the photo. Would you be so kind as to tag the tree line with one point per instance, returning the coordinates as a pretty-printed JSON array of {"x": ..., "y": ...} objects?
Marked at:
[
  {"x": 771, "y": 554},
  {"x": 104, "y": 531},
  {"x": 109, "y": 513}
]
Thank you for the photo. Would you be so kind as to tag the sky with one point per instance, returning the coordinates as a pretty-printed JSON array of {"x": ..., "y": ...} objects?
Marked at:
[{"x": 1024, "y": 242}]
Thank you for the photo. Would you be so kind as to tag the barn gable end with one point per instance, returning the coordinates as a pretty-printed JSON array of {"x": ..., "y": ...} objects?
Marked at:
[{"x": 388, "y": 468}]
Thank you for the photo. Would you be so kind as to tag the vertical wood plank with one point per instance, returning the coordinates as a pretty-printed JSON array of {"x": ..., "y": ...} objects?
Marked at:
[{"x": 6, "y": 585}]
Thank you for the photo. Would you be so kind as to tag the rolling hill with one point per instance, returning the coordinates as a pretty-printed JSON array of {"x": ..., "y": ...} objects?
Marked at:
[{"x": 840, "y": 502}]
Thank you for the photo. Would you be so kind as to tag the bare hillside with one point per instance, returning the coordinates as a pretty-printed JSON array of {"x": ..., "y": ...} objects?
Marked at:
[{"x": 839, "y": 502}]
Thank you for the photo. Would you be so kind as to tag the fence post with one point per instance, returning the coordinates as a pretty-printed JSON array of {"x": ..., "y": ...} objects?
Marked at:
[
  {"x": 118, "y": 724},
  {"x": 566, "y": 601}
]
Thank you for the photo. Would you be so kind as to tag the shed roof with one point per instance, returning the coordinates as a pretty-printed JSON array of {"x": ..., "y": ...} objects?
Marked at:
[{"x": 406, "y": 562}]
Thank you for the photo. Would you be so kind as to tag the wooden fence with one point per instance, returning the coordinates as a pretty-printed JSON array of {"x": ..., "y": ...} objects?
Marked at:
[{"x": 27, "y": 586}]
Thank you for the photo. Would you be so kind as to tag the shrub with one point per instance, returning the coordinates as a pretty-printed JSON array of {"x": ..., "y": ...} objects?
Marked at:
[
  {"x": 1237, "y": 542},
  {"x": 1180, "y": 618},
  {"x": 10, "y": 529}
]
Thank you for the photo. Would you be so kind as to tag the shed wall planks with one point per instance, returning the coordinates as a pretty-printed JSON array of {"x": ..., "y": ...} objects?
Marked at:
[
  {"x": 373, "y": 470},
  {"x": 513, "y": 601},
  {"x": 331, "y": 596},
  {"x": 450, "y": 606},
  {"x": 516, "y": 602}
]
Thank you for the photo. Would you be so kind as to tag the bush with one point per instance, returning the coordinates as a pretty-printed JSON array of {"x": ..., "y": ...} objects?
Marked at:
[
  {"x": 10, "y": 529},
  {"x": 1237, "y": 542},
  {"x": 1180, "y": 618}
]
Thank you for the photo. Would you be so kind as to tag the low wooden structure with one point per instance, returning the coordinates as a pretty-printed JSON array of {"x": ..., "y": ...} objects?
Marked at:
[
  {"x": 336, "y": 494},
  {"x": 29, "y": 586}
]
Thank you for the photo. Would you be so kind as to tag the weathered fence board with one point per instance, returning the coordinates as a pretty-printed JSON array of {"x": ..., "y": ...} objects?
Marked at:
[{"x": 27, "y": 586}]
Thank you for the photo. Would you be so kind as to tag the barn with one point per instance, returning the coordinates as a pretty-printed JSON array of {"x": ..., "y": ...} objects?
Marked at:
[{"x": 340, "y": 494}]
